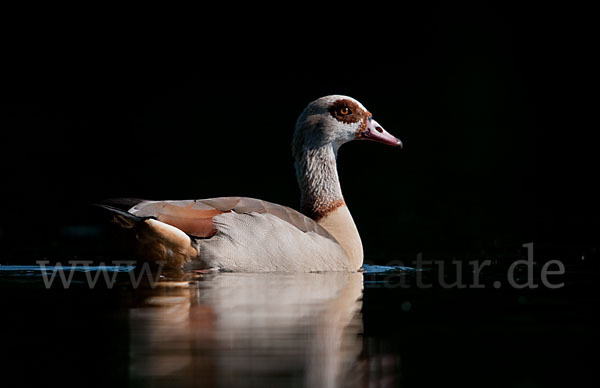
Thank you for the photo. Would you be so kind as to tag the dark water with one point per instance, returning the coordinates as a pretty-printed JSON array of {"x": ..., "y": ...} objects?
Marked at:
[{"x": 292, "y": 330}]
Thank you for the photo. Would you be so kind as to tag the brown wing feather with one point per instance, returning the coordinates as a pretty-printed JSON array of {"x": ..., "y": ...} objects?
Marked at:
[
  {"x": 180, "y": 214},
  {"x": 198, "y": 227},
  {"x": 195, "y": 216}
]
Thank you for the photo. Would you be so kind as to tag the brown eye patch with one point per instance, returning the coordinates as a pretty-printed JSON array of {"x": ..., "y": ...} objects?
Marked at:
[{"x": 347, "y": 111}]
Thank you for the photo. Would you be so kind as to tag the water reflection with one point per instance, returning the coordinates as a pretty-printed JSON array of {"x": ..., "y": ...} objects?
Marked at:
[{"x": 233, "y": 329}]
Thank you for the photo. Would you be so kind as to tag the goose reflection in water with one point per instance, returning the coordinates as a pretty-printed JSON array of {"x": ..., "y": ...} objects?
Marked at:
[{"x": 241, "y": 329}]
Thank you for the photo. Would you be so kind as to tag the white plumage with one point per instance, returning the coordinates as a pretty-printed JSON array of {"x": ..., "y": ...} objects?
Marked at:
[{"x": 264, "y": 242}]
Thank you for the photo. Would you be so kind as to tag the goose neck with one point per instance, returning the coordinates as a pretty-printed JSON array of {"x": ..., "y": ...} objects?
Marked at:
[{"x": 316, "y": 171}]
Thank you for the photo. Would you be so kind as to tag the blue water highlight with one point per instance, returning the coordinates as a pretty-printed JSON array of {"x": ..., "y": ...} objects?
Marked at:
[
  {"x": 381, "y": 269},
  {"x": 35, "y": 269}
]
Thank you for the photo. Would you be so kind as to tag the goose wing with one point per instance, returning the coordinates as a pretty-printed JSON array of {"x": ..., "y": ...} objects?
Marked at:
[{"x": 196, "y": 217}]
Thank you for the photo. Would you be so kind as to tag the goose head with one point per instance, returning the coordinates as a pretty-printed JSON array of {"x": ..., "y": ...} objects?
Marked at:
[{"x": 335, "y": 120}]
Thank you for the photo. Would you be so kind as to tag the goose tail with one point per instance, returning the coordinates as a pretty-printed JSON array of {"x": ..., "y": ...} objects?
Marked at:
[{"x": 119, "y": 208}]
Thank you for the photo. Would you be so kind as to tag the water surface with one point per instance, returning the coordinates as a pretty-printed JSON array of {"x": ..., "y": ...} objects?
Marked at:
[{"x": 287, "y": 330}]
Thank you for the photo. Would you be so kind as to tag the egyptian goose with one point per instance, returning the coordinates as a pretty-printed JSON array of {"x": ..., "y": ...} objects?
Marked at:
[{"x": 250, "y": 235}]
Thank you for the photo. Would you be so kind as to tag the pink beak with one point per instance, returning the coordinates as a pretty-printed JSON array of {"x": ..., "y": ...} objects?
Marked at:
[{"x": 375, "y": 132}]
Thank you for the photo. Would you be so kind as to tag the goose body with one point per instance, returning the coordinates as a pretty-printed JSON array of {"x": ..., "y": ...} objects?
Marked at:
[{"x": 243, "y": 234}]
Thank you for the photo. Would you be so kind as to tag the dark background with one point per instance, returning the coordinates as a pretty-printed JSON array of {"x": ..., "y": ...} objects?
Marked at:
[
  {"x": 495, "y": 104},
  {"x": 491, "y": 103}
]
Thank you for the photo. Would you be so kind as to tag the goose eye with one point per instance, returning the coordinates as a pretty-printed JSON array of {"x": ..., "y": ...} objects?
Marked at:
[{"x": 345, "y": 111}]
